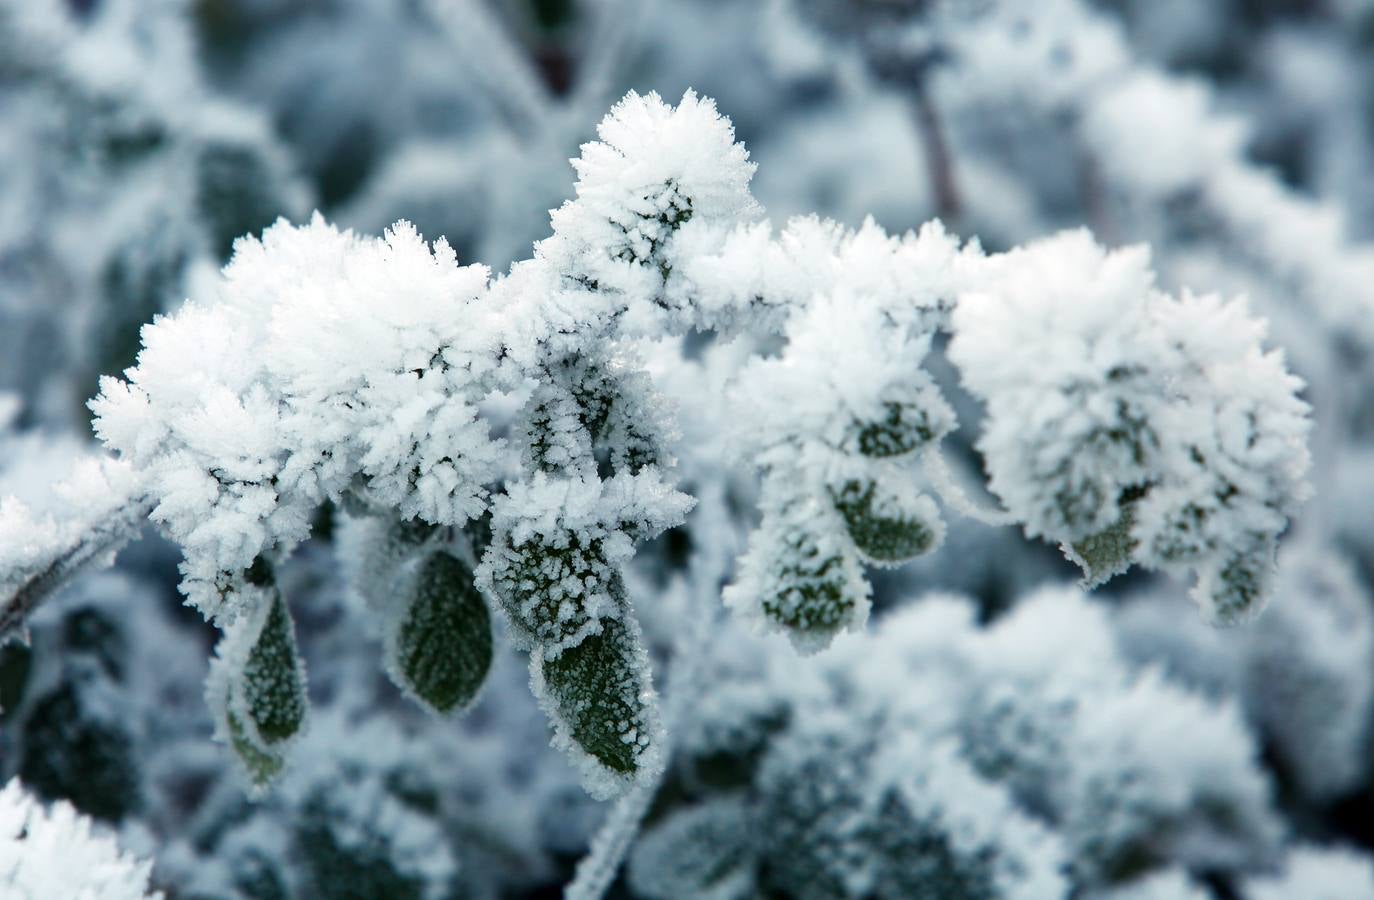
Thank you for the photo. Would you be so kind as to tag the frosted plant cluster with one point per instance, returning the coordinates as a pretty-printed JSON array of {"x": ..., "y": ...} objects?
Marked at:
[
  {"x": 430, "y": 512},
  {"x": 55, "y": 852},
  {"x": 1013, "y": 757},
  {"x": 326, "y": 366}
]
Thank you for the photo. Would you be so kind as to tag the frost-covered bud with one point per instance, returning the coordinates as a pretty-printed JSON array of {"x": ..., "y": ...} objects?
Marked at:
[
  {"x": 1132, "y": 426},
  {"x": 599, "y": 696},
  {"x": 1059, "y": 347},
  {"x": 245, "y": 412},
  {"x": 801, "y": 578},
  {"x": 256, "y": 685},
  {"x": 438, "y": 647},
  {"x": 825, "y": 420},
  {"x": 656, "y": 171},
  {"x": 758, "y": 281},
  {"x": 556, "y": 435},
  {"x": 1235, "y": 467},
  {"x": 889, "y": 527},
  {"x": 593, "y": 410}
]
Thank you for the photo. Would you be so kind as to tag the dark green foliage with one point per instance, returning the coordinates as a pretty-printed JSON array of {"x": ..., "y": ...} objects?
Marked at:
[
  {"x": 71, "y": 751},
  {"x": 234, "y": 193},
  {"x": 138, "y": 280},
  {"x": 1107, "y": 553},
  {"x": 597, "y": 688},
  {"x": 443, "y": 646},
  {"x": 16, "y": 661},
  {"x": 881, "y": 538},
  {"x": 89, "y": 631},
  {"x": 272, "y": 682},
  {"x": 361, "y": 869},
  {"x": 813, "y": 592},
  {"x": 826, "y": 841},
  {"x": 916, "y": 862},
  {"x": 903, "y": 428},
  {"x": 262, "y": 765},
  {"x": 258, "y": 877},
  {"x": 814, "y": 813},
  {"x": 531, "y": 586}
]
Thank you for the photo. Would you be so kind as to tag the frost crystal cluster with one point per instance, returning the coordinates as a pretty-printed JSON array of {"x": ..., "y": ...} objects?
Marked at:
[{"x": 55, "y": 852}]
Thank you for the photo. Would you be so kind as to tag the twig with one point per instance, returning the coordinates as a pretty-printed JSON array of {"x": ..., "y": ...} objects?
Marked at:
[
  {"x": 939, "y": 163},
  {"x": 937, "y": 470},
  {"x": 106, "y": 538},
  {"x": 497, "y": 62}
]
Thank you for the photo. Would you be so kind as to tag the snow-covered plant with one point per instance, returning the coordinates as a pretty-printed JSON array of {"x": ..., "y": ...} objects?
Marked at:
[
  {"x": 502, "y": 439},
  {"x": 939, "y": 758},
  {"x": 56, "y": 852}
]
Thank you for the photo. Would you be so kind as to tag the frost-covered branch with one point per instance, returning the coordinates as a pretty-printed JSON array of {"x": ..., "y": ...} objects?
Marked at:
[
  {"x": 98, "y": 510},
  {"x": 504, "y": 440}
]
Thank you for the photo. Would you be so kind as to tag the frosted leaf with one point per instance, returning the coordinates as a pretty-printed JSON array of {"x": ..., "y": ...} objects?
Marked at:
[
  {"x": 888, "y": 528},
  {"x": 1108, "y": 553},
  {"x": 439, "y": 647},
  {"x": 558, "y": 544},
  {"x": 1236, "y": 470},
  {"x": 256, "y": 685},
  {"x": 57, "y": 852},
  {"x": 704, "y": 851},
  {"x": 601, "y": 700},
  {"x": 801, "y": 579},
  {"x": 553, "y": 595}
]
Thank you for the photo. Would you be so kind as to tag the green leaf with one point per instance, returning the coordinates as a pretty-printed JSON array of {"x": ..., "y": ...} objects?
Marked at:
[
  {"x": 887, "y": 534},
  {"x": 907, "y": 424},
  {"x": 442, "y": 648},
  {"x": 531, "y": 581},
  {"x": 1106, "y": 554},
  {"x": 262, "y": 765},
  {"x": 598, "y": 690},
  {"x": 273, "y": 678},
  {"x": 815, "y": 591}
]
